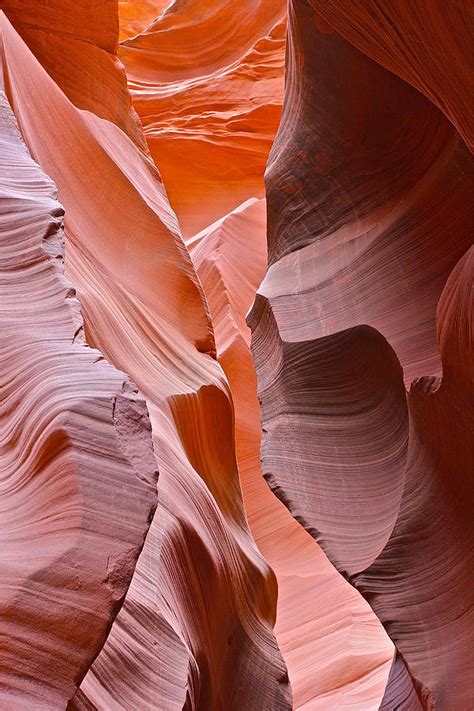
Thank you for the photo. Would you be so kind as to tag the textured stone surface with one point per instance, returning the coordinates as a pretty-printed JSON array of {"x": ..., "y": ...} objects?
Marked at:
[
  {"x": 362, "y": 337},
  {"x": 369, "y": 192},
  {"x": 76, "y": 43},
  {"x": 206, "y": 79},
  {"x": 196, "y": 626},
  {"x": 336, "y": 651},
  {"x": 424, "y": 42},
  {"x": 73, "y": 433}
]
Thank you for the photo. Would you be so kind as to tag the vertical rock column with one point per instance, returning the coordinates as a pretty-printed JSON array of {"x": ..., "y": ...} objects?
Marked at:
[
  {"x": 369, "y": 191},
  {"x": 77, "y": 469}
]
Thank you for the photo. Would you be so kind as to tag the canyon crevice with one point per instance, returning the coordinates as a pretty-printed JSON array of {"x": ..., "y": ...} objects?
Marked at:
[{"x": 236, "y": 286}]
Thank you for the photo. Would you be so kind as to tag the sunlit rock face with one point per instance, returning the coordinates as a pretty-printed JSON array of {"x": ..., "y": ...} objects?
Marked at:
[
  {"x": 134, "y": 17},
  {"x": 206, "y": 78},
  {"x": 368, "y": 295},
  {"x": 196, "y": 625},
  {"x": 343, "y": 580}
]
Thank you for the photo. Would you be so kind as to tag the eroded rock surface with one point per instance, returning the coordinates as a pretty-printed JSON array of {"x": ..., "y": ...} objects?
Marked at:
[
  {"x": 206, "y": 78},
  {"x": 370, "y": 210},
  {"x": 77, "y": 469},
  {"x": 362, "y": 338},
  {"x": 196, "y": 626}
]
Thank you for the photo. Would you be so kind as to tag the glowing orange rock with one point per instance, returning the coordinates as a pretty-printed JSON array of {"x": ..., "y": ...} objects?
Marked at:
[
  {"x": 207, "y": 81},
  {"x": 86, "y": 32},
  {"x": 136, "y": 16},
  {"x": 370, "y": 218},
  {"x": 203, "y": 120},
  {"x": 201, "y": 589}
]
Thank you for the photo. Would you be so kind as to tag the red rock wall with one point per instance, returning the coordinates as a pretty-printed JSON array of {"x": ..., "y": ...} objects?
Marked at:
[
  {"x": 206, "y": 78},
  {"x": 217, "y": 144},
  {"x": 328, "y": 635},
  {"x": 369, "y": 290},
  {"x": 73, "y": 433},
  {"x": 196, "y": 626},
  {"x": 155, "y": 120}
]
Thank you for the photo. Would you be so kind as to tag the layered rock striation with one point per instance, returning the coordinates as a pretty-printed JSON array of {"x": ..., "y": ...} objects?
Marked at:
[
  {"x": 201, "y": 107},
  {"x": 369, "y": 290},
  {"x": 202, "y": 589},
  {"x": 336, "y": 650},
  {"x": 77, "y": 469},
  {"x": 196, "y": 625},
  {"x": 206, "y": 79}
]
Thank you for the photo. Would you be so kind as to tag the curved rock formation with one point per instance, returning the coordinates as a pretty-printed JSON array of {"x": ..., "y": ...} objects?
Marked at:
[
  {"x": 362, "y": 337},
  {"x": 207, "y": 82},
  {"x": 423, "y": 42},
  {"x": 210, "y": 117},
  {"x": 369, "y": 199},
  {"x": 73, "y": 433},
  {"x": 76, "y": 44},
  {"x": 336, "y": 651},
  {"x": 202, "y": 598},
  {"x": 135, "y": 16}
]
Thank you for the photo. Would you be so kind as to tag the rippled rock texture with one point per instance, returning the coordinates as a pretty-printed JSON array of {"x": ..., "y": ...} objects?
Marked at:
[
  {"x": 206, "y": 78},
  {"x": 369, "y": 291},
  {"x": 209, "y": 128},
  {"x": 196, "y": 625},
  {"x": 155, "y": 121},
  {"x": 77, "y": 471}
]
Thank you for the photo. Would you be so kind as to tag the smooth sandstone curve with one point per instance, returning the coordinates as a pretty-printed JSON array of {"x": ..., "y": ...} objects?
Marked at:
[
  {"x": 340, "y": 638},
  {"x": 426, "y": 43},
  {"x": 337, "y": 653},
  {"x": 73, "y": 433},
  {"x": 369, "y": 200},
  {"x": 200, "y": 579},
  {"x": 206, "y": 79}
]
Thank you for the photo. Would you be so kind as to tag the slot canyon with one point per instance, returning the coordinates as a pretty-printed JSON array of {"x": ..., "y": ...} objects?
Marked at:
[{"x": 236, "y": 355}]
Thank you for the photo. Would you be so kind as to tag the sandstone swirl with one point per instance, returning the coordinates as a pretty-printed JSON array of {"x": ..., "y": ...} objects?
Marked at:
[
  {"x": 335, "y": 649},
  {"x": 135, "y": 16},
  {"x": 369, "y": 191},
  {"x": 346, "y": 583},
  {"x": 196, "y": 625},
  {"x": 426, "y": 43},
  {"x": 73, "y": 434},
  {"x": 210, "y": 101},
  {"x": 206, "y": 79}
]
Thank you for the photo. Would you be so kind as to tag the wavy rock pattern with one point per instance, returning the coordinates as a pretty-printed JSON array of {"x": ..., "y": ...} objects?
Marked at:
[
  {"x": 196, "y": 625},
  {"x": 336, "y": 651},
  {"x": 86, "y": 32},
  {"x": 423, "y": 42},
  {"x": 362, "y": 337},
  {"x": 370, "y": 217},
  {"x": 134, "y": 17},
  {"x": 207, "y": 82},
  {"x": 200, "y": 109},
  {"x": 230, "y": 258},
  {"x": 73, "y": 433}
]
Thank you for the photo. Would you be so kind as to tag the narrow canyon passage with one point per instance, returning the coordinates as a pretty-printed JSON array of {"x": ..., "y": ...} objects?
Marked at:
[
  {"x": 236, "y": 281},
  {"x": 210, "y": 134}
]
